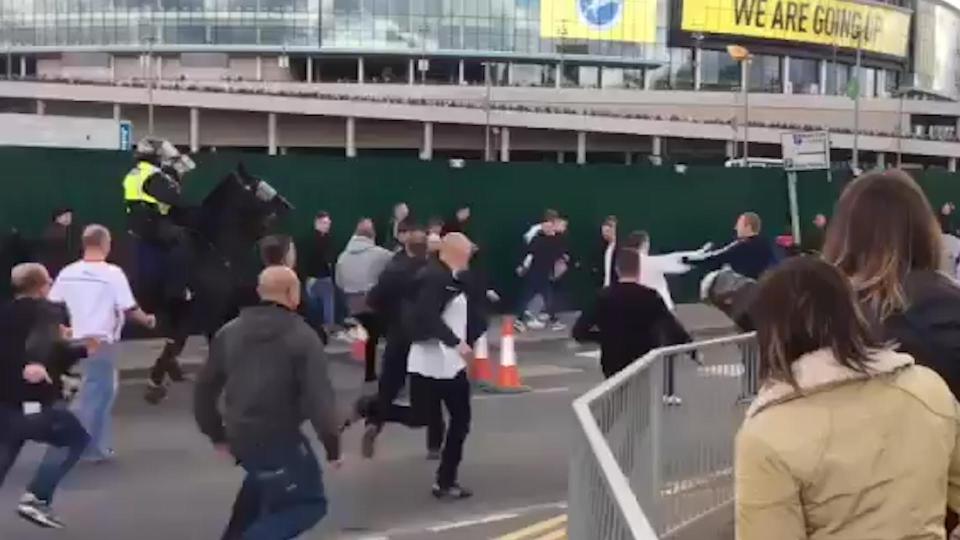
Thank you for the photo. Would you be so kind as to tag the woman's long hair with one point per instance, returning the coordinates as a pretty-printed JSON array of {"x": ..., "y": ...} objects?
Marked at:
[
  {"x": 803, "y": 306},
  {"x": 883, "y": 229}
]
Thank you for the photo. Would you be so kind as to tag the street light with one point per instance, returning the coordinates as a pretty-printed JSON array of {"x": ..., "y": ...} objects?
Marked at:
[
  {"x": 487, "y": 150},
  {"x": 742, "y": 55}
]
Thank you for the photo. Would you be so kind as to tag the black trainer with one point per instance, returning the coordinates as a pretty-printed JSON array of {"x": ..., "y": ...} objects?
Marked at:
[
  {"x": 155, "y": 393},
  {"x": 454, "y": 492},
  {"x": 38, "y": 512}
]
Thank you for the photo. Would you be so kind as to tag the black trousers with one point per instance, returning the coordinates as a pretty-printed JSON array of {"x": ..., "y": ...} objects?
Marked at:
[
  {"x": 392, "y": 379},
  {"x": 374, "y": 326},
  {"x": 454, "y": 394},
  {"x": 176, "y": 330}
]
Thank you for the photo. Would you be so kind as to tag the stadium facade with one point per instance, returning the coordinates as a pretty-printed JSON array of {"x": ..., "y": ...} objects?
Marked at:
[{"x": 518, "y": 79}]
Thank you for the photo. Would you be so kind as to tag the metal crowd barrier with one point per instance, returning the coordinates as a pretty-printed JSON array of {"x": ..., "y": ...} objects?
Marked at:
[{"x": 645, "y": 468}]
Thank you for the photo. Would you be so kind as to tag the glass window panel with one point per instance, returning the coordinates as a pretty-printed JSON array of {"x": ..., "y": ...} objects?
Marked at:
[
  {"x": 766, "y": 74},
  {"x": 805, "y": 76},
  {"x": 718, "y": 71}
]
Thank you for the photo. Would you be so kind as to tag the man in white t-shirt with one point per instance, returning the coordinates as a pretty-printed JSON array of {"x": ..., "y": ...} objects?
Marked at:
[
  {"x": 98, "y": 298},
  {"x": 438, "y": 355},
  {"x": 655, "y": 268}
]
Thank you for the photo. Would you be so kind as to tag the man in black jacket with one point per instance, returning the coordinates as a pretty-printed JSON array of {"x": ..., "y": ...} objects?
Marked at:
[
  {"x": 34, "y": 354},
  {"x": 389, "y": 298},
  {"x": 271, "y": 368},
  {"x": 629, "y": 320},
  {"x": 441, "y": 332},
  {"x": 749, "y": 255}
]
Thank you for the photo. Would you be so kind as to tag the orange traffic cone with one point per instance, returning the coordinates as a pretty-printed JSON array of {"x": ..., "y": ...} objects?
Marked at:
[
  {"x": 508, "y": 376},
  {"x": 358, "y": 344},
  {"x": 481, "y": 372}
]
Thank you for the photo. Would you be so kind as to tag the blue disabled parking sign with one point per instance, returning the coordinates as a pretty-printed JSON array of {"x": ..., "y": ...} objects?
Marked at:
[
  {"x": 126, "y": 133},
  {"x": 600, "y": 14}
]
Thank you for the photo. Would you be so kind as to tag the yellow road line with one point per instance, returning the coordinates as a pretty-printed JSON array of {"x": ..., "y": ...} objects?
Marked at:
[
  {"x": 559, "y": 534},
  {"x": 537, "y": 528}
]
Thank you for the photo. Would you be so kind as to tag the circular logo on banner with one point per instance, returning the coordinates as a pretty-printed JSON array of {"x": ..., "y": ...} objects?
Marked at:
[{"x": 600, "y": 14}]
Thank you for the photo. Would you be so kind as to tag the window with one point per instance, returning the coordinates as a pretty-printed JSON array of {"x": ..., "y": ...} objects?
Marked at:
[
  {"x": 805, "y": 76},
  {"x": 718, "y": 71},
  {"x": 766, "y": 74}
]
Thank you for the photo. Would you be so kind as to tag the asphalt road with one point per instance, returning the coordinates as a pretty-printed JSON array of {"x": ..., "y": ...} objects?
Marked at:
[{"x": 168, "y": 483}]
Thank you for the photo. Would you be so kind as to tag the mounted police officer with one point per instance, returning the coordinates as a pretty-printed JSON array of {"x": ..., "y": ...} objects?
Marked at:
[{"x": 156, "y": 214}]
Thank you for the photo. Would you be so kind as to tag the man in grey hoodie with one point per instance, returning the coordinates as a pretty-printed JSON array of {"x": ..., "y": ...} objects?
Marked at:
[
  {"x": 358, "y": 270},
  {"x": 270, "y": 367}
]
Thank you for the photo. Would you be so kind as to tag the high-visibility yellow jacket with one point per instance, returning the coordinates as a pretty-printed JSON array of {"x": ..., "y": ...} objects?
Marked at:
[{"x": 133, "y": 187}]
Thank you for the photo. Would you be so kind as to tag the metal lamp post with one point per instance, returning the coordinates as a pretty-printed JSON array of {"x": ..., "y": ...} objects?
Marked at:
[{"x": 743, "y": 56}]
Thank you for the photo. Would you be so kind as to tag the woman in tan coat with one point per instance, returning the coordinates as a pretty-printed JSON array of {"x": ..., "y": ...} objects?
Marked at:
[{"x": 847, "y": 438}]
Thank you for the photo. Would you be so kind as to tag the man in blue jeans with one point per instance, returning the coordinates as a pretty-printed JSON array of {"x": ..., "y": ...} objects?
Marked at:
[
  {"x": 33, "y": 356},
  {"x": 270, "y": 366},
  {"x": 318, "y": 267},
  {"x": 98, "y": 298}
]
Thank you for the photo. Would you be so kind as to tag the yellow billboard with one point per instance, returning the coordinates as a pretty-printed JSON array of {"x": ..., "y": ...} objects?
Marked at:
[
  {"x": 842, "y": 23},
  {"x": 633, "y": 21}
]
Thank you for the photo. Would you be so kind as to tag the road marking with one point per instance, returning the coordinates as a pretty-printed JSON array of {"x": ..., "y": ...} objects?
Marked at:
[
  {"x": 552, "y": 390},
  {"x": 545, "y": 370},
  {"x": 471, "y": 522},
  {"x": 538, "y": 528},
  {"x": 422, "y": 528},
  {"x": 559, "y": 534},
  {"x": 722, "y": 370}
]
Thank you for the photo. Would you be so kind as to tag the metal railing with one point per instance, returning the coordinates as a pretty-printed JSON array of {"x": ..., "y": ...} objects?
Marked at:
[{"x": 644, "y": 466}]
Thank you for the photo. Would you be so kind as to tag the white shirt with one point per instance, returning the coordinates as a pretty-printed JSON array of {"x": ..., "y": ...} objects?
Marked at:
[
  {"x": 97, "y": 294},
  {"x": 608, "y": 263},
  {"x": 950, "y": 256},
  {"x": 434, "y": 359},
  {"x": 654, "y": 270},
  {"x": 532, "y": 232}
]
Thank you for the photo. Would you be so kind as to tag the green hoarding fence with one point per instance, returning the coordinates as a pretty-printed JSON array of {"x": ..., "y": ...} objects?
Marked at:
[{"x": 681, "y": 211}]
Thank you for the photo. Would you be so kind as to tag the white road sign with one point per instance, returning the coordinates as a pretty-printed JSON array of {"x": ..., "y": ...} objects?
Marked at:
[{"x": 806, "y": 150}]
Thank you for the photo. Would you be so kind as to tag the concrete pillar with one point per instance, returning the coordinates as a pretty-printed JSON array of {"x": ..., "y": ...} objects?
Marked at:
[
  {"x": 558, "y": 80},
  {"x": 881, "y": 160},
  {"x": 823, "y": 77},
  {"x": 351, "y": 145},
  {"x": 510, "y": 74},
  {"x": 581, "y": 148},
  {"x": 309, "y": 69},
  {"x": 731, "y": 149},
  {"x": 117, "y": 112},
  {"x": 41, "y": 107},
  {"x": 656, "y": 150},
  {"x": 23, "y": 66},
  {"x": 195, "y": 130},
  {"x": 426, "y": 150},
  {"x": 361, "y": 71},
  {"x": 272, "y": 134},
  {"x": 628, "y": 158},
  {"x": 697, "y": 68},
  {"x": 259, "y": 75},
  {"x": 461, "y": 72},
  {"x": 505, "y": 144},
  {"x": 158, "y": 74},
  {"x": 283, "y": 150},
  {"x": 561, "y": 157},
  {"x": 957, "y": 132},
  {"x": 113, "y": 67},
  {"x": 785, "y": 85},
  {"x": 411, "y": 71},
  {"x": 952, "y": 164}
]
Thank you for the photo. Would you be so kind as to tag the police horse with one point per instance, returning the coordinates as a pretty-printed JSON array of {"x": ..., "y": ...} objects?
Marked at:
[{"x": 221, "y": 271}]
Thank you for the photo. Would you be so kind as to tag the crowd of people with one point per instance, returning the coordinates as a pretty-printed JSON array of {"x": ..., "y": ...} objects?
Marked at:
[
  {"x": 859, "y": 373},
  {"x": 855, "y": 431}
]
